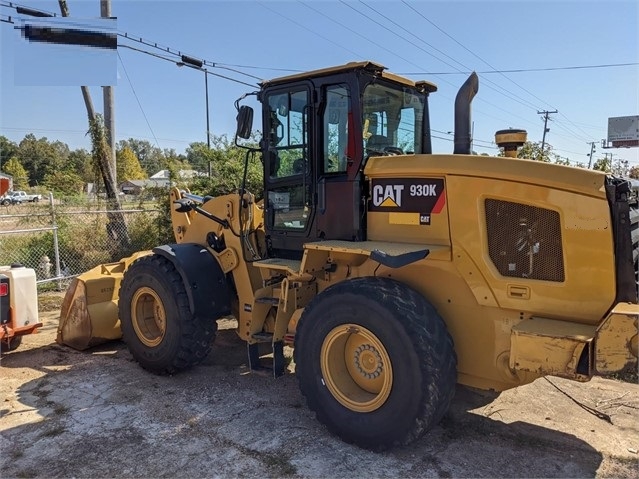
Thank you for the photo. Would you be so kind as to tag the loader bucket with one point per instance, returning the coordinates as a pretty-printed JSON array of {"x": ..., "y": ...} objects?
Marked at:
[{"x": 89, "y": 313}]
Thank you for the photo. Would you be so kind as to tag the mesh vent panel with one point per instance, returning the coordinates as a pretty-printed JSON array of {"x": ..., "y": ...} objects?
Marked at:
[{"x": 524, "y": 241}]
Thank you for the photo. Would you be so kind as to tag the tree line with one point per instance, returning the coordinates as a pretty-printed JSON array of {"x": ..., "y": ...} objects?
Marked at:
[
  {"x": 50, "y": 165},
  {"x": 532, "y": 150}
]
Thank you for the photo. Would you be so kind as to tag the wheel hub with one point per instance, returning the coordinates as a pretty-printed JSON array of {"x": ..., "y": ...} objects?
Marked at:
[
  {"x": 356, "y": 368},
  {"x": 368, "y": 361},
  {"x": 148, "y": 316}
]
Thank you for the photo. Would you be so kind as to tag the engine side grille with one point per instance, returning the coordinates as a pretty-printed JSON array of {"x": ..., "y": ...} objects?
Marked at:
[{"x": 524, "y": 241}]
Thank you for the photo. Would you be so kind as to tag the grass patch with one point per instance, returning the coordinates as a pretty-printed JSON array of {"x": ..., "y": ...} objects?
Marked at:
[{"x": 50, "y": 301}]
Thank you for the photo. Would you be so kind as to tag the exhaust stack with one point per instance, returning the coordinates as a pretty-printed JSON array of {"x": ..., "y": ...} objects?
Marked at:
[{"x": 463, "y": 100}]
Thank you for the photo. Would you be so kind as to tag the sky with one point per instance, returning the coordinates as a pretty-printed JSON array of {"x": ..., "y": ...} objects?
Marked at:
[{"x": 439, "y": 41}]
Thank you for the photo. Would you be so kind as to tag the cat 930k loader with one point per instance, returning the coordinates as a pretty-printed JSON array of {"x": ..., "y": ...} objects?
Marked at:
[{"x": 393, "y": 271}]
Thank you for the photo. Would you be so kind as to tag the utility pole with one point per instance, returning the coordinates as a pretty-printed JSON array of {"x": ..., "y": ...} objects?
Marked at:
[
  {"x": 108, "y": 100},
  {"x": 546, "y": 114},
  {"x": 208, "y": 132},
  {"x": 592, "y": 151}
]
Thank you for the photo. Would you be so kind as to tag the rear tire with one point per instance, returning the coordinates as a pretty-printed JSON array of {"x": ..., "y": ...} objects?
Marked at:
[
  {"x": 10, "y": 344},
  {"x": 375, "y": 362},
  {"x": 157, "y": 324}
]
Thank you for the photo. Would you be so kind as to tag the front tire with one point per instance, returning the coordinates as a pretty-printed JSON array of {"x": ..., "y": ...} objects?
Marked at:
[
  {"x": 157, "y": 324},
  {"x": 375, "y": 362}
]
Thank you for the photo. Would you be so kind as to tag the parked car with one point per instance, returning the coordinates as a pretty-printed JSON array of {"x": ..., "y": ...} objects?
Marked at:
[
  {"x": 9, "y": 200},
  {"x": 23, "y": 196}
]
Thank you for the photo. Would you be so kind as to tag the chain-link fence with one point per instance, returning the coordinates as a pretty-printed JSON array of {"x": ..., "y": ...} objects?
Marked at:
[{"x": 61, "y": 241}]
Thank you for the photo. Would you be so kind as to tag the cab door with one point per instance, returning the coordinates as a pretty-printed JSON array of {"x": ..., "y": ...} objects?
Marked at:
[
  {"x": 340, "y": 204},
  {"x": 288, "y": 169}
]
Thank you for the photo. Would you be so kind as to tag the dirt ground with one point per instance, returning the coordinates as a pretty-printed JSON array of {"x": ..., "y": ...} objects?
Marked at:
[{"x": 65, "y": 413}]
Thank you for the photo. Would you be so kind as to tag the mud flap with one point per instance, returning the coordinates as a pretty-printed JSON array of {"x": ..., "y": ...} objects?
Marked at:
[{"x": 204, "y": 281}]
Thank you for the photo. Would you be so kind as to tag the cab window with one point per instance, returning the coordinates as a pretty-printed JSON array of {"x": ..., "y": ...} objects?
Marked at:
[
  {"x": 392, "y": 120},
  {"x": 337, "y": 120},
  {"x": 287, "y": 127}
]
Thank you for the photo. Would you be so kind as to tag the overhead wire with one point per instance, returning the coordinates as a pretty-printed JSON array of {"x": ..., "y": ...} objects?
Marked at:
[
  {"x": 469, "y": 50},
  {"x": 229, "y": 67},
  {"x": 201, "y": 69},
  {"x": 484, "y": 61},
  {"x": 373, "y": 42},
  {"x": 263, "y": 5},
  {"x": 524, "y": 70},
  {"x": 504, "y": 91},
  {"x": 127, "y": 36},
  {"x": 138, "y": 100},
  {"x": 482, "y": 100}
]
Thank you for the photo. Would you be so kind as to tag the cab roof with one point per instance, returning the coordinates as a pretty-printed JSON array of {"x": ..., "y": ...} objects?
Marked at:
[{"x": 371, "y": 67}]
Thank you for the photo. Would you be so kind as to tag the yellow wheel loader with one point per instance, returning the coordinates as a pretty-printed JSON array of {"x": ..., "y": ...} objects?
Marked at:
[{"x": 394, "y": 272}]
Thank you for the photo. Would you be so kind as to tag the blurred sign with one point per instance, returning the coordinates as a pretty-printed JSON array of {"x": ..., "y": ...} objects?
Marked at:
[{"x": 623, "y": 130}]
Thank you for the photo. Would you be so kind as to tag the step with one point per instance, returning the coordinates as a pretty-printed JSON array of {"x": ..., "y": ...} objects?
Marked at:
[
  {"x": 290, "y": 265},
  {"x": 263, "y": 337},
  {"x": 272, "y": 301}
]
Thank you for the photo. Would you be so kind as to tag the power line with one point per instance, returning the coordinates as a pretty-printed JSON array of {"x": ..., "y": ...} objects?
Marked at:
[
  {"x": 307, "y": 29},
  {"x": 408, "y": 61},
  {"x": 505, "y": 92},
  {"x": 170, "y": 50},
  {"x": 528, "y": 70},
  {"x": 138, "y": 100},
  {"x": 484, "y": 61},
  {"x": 468, "y": 50},
  {"x": 173, "y": 61}
]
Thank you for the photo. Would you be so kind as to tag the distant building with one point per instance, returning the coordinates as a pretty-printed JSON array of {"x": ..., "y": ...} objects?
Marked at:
[
  {"x": 135, "y": 187},
  {"x": 160, "y": 179},
  {"x": 183, "y": 174},
  {"x": 6, "y": 183}
]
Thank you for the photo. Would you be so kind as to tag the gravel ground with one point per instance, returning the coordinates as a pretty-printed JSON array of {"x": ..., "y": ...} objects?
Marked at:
[{"x": 65, "y": 413}]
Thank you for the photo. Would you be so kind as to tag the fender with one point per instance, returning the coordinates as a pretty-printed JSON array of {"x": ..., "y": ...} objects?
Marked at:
[{"x": 204, "y": 281}]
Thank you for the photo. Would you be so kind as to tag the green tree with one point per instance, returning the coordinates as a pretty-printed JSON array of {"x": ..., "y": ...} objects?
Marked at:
[
  {"x": 64, "y": 183},
  {"x": 602, "y": 164},
  {"x": 532, "y": 151},
  {"x": 39, "y": 156},
  {"x": 14, "y": 168},
  {"x": 562, "y": 161},
  {"x": 172, "y": 155},
  {"x": 198, "y": 154},
  {"x": 8, "y": 149},
  {"x": 228, "y": 169},
  {"x": 128, "y": 166},
  {"x": 80, "y": 161},
  {"x": 149, "y": 156}
]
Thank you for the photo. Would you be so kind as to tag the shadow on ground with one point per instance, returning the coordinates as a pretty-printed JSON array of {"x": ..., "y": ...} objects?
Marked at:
[{"x": 97, "y": 413}]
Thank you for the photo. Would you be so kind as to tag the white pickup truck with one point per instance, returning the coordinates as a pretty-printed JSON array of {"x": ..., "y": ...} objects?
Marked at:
[{"x": 23, "y": 196}]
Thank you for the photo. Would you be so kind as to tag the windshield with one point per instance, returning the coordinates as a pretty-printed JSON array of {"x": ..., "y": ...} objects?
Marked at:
[{"x": 392, "y": 120}]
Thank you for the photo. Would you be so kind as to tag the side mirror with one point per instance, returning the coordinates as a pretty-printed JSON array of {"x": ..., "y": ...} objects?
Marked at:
[{"x": 244, "y": 122}]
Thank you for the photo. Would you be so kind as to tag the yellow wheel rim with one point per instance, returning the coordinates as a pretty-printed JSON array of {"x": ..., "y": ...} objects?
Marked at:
[
  {"x": 356, "y": 368},
  {"x": 148, "y": 316}
]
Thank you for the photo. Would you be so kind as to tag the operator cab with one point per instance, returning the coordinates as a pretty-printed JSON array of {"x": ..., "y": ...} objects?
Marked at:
[{"x": 319, "y": 129}]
